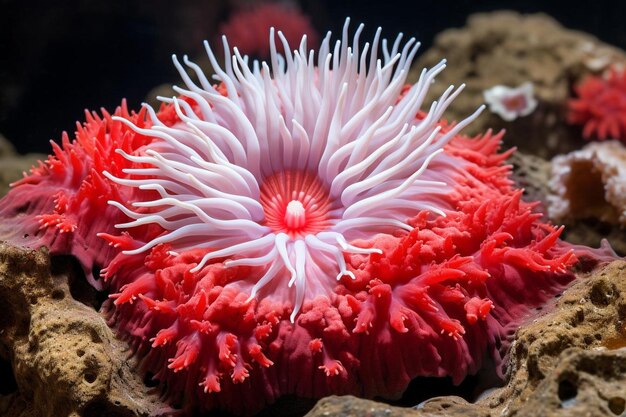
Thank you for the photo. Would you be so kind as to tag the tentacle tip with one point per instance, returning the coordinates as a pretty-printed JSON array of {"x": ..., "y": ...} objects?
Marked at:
[
  {"x": 291, "y": 281},
  {"x": 294, "y": 314},
  {"x": 344, "y": 273}
]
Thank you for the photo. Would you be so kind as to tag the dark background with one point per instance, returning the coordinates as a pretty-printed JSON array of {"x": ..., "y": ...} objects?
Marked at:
[{"x": 59, "y": 57}]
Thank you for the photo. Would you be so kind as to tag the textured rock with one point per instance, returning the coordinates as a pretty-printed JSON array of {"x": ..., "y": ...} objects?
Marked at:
[
  {"x": 13, "y": 165},
  {"x": 65, "y": 359},
  {"x": 590, "y": 183},
  {"x": 587, "y": 192},
  {"x": 532, "y": 174},
  {"x": 6, "y": 148},
  {"x": 336, "y": 406},
  {"x": 571, "y": 361},
  {"x": 507, "y": 48}
]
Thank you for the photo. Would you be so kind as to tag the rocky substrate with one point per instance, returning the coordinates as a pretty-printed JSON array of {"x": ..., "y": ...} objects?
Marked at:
[
  {"x": 58, "y": 357},
  {"x": 12, "y": 165}
]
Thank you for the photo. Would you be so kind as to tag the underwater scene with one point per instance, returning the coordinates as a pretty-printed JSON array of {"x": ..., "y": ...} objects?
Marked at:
[{"x": 312, "y": 208}]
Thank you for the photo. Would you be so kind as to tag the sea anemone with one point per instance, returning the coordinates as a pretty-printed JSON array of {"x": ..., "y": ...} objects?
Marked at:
[
  {"x": 302, "y": 227},
  {"x": 247, "y": 28},
  {"x": 600, "y": 106},
  {"x": 286, "y": 170}
]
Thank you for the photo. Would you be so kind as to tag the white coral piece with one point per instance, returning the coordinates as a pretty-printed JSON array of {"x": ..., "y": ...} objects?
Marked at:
[
  {"x": 590, "y": 182},
  {"x": 510, "y": 103}
]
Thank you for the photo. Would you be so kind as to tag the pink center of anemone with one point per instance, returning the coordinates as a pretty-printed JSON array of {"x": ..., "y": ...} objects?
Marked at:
[{"x": 295, "y": 203}]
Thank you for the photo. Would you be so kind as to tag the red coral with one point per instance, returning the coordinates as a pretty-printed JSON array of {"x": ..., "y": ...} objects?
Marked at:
[
  {"x": 601, "y": 106},
  {"x": 64, "y": 199},
  {"x": 248, "y": 29}
]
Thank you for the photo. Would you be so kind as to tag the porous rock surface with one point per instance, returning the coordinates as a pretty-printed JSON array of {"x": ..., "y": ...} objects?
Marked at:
[
  {"x": 593, "y": 218},
  {"x": 508, "y": 48},
  {"x": 570, "y": 361},
  {"x": 65, "y": 360},
  {"x": 587, "y": 192},
  {"x": 590, "y": 182},
  {"x": 532, "y": 174},
  {"x": 12, "y": 165}
]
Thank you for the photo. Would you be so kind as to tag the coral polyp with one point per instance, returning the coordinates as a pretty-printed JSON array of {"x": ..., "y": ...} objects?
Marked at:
[
  {"x": 304, "y": 226},
  {"x": 248, "y": 26},
  {"x": 600, "y": 106}
]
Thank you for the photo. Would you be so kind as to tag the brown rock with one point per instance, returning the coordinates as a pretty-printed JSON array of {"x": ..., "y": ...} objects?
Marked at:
[
  {"x": 508, "y": 48},
  {"x": 569, "y": 362},
  {"x": 349, "y": 406},
  {"x": 65, "y": 359},
  {"x": 12, "y": 165},
  {"x": 531, "y": 173},
  {"x": 6, "y": 148}
]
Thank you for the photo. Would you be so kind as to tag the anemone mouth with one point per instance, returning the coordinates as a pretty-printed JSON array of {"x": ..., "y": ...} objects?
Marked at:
[{"x": 296, "y": 203}]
